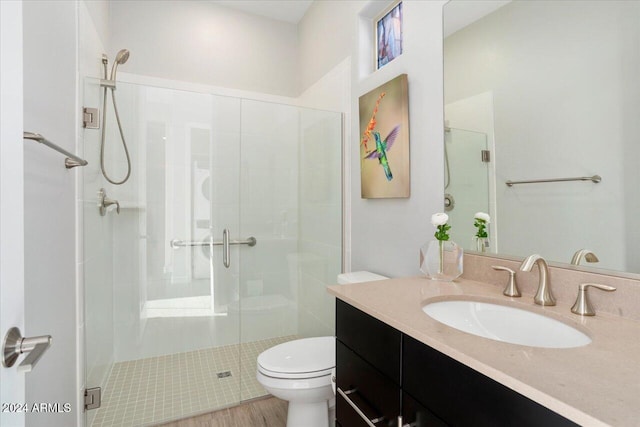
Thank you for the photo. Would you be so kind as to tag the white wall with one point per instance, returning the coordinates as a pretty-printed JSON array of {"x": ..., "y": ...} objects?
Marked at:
[
  {"x": 386, "y": 234},
  {"x": 50, "y": 216},
  {"x": 325, "y": 35},
  {"x": 552, "y": 120},
  {"x": 205, "y": 43},
  {"x": 12, "y": 384}
]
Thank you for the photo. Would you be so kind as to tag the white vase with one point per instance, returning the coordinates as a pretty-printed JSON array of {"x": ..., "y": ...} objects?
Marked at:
[{"x": 441, "y": 260}]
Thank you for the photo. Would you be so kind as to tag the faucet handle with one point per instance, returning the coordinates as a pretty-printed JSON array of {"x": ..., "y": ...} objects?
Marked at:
[
  {"x": 582, "y": 305},
  {"x": 511, "y": 290}
]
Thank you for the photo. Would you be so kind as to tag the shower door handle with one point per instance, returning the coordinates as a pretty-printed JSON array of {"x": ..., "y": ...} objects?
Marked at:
[
  {"x": 178, "y": 243},
  {"x": 225, "y": 243},
  {"x": 225, "y": 248}
]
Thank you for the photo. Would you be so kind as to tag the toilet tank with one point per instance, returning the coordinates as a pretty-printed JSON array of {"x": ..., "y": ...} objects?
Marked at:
[{"x": 359, "y": 276}]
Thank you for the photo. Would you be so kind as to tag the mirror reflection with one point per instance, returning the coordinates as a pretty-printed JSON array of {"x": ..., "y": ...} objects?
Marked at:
[{"x": 551, "y": 90}]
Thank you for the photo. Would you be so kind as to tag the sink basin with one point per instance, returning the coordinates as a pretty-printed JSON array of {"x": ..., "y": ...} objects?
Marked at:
[{"x": 506, "y": 324}]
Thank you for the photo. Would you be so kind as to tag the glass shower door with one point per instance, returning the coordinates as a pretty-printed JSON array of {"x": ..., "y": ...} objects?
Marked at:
[
  {"x": 174, "y": 322},
  {"x": 161, "y": 341},
  {"x": 269, "y": 212},
  {"x": 291, "y": 202}
]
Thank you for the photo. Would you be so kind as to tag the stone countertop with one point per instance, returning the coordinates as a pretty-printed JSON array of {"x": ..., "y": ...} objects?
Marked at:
[{"x": 594, "y": 385}]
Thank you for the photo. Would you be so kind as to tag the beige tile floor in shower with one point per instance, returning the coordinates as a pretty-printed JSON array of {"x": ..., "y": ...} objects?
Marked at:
[{"x": 151, "y": 391}]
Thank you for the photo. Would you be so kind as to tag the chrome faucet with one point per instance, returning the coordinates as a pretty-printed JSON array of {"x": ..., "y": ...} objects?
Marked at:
[
  {"x": 543, "y": 295},
  {"x": 587, "y": 254}
]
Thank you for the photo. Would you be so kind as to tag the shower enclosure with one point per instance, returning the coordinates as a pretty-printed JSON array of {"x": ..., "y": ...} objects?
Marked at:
[
  {"x": 174, "y": 320},
  {"x": 466, "y": 183}
]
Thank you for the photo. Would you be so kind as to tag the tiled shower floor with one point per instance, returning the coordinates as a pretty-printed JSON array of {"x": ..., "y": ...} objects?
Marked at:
[{"x": 158, "y": 389}]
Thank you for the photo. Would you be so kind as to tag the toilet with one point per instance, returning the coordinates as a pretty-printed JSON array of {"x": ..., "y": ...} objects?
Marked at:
[{"x": 300, "y": 371}]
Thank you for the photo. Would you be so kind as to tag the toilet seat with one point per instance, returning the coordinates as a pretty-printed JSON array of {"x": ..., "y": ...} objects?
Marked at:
[
  {"x": 299, "y": 359},
  {"x": 270, "y": 382},
  {"x": 293, "y": 376}
]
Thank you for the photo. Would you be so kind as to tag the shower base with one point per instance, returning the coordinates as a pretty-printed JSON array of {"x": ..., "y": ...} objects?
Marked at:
[{"x": 150, "y": 391}]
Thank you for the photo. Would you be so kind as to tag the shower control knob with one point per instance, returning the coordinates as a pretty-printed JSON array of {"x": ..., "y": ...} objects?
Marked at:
[{"x": 104, "y": 202}]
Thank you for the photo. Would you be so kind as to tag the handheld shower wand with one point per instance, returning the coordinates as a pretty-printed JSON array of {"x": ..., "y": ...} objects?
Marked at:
[
  {"x": 110, "y": 83},
  {"x": 121, "y": 58}
]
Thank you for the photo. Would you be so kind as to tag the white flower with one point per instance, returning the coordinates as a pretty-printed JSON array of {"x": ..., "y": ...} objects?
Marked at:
[
  {"x": 483, "y": 216},
  {"x": 439, "y": 219}
]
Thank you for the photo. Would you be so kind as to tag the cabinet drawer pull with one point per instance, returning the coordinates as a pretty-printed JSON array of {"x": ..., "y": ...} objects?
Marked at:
[{"x": 370, "y": 423}]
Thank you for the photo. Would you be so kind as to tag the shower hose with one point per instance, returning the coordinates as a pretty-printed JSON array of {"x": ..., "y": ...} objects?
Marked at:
[{"x": 102, "y": 143}]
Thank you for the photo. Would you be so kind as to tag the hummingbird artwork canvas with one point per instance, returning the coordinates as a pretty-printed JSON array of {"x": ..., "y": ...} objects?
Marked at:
[{"x": 384, "y": 141}]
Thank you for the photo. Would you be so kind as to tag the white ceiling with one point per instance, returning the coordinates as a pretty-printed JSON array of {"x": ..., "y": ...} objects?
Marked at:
[
  {"x": 283, "y": 10},
  {"x": 460, "y": 13}
]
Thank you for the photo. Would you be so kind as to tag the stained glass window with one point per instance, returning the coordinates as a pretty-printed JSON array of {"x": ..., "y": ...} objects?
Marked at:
[{"x": 389, "y": 35}]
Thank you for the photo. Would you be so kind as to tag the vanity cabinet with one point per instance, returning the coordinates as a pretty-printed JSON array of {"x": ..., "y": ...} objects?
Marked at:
[
  {"x": 368, "y": 367},
  {"x": 384, "y": 373},
  {"x": 463, "y": 397}
]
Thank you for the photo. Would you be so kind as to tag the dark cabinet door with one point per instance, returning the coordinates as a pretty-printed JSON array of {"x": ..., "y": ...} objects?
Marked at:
[
  {"x": 373, "y": 340},
  {"x": 364, "y": 392},
  {"x": 463, "y": 397},
  {"x": 416, "y": 415}
]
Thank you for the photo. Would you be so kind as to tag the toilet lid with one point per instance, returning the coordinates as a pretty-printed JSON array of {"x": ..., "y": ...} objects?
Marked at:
[{"x": 305, "y": 355}]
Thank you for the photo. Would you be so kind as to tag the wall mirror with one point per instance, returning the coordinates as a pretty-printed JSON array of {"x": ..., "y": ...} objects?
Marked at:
[{"x": 551, "y": 89}]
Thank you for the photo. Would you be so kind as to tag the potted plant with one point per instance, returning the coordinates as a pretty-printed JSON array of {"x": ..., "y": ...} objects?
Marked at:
[
  {"x": 481, "y": 239},
  {"x": 441, "y": 259}
]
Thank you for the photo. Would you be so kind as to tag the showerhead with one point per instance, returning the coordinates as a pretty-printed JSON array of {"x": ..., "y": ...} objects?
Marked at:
[{"x": 121, "y": 58}]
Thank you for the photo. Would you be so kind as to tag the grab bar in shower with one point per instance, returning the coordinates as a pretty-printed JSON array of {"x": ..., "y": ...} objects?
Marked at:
[
  {"x": 70, "y": 162},
  {"x": 177, "y": 243},
  {"x": 595, "y": 179}
]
